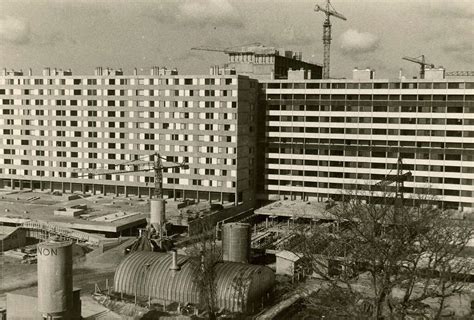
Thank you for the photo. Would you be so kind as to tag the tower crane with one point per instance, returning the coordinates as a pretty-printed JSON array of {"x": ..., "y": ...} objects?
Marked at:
[
  {"x": 398, "y": 179},
  {"x": 421, "y": 61},
  {"x": 228, "y": 49},
  {"x": 329, "y": 11},
  {"x": 157, "y": 217}
]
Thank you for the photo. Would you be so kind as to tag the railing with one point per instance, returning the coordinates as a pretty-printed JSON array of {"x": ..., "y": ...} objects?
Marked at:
[{"x": 71, "y": 234}]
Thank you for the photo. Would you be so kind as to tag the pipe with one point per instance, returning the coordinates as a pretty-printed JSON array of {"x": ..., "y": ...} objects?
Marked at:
[{"x": 174, "y": 261}]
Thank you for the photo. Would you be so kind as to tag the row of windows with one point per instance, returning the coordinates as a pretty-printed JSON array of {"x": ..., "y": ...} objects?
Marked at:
[
  {"x": 113, "y": 167},
  {"x": 371, "y": 85},
  {"x": 307, "y": 172},
  {"x": 368, "y": 97},
  {"x": 367, "y": 153},
  {"x": 365, "y": 176},
  {"x": 122, "y": 103},
  {"x": 111, "y": 92},
  {"x": 351, "y": 186},
  {"x": 117, "y": 156},
  {"x": 374, "y": 165},
  {"x": 175, "y": 181},
  {"x": 422, "y": 121},
  {"x": 119, "y": 81},
  {"x": 338, "y": 143},
  {"x": 455, "y": 108},
  {"x": 367, "y": 131}
]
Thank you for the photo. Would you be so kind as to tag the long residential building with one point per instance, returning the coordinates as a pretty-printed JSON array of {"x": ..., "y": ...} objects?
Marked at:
[
  {"x": 326, "y": 138},
  {"x": 58, "y": 129},
  {"x": 244, "y": 139}
]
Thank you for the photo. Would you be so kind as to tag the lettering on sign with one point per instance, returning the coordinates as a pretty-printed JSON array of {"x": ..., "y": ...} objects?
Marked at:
[{"x": 48, "y": 252}]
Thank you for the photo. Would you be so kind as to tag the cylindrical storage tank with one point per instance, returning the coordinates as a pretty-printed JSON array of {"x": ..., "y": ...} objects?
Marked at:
[
  {"x": 236, "y": 242},
  {"x": 157, "y": 212},
  {"x": 55, "y": 278}
]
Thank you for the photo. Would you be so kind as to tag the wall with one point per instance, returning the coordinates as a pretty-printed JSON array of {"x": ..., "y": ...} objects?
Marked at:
[
  {"x": 16, "y": 239},
  {"x": 21, "y": 307}
]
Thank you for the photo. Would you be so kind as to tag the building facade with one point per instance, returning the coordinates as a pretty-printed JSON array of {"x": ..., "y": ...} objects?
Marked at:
[
  {"x": 317, "y": 139},
  {"x": 324, "y": 138},
  {"x": 58, "y": 129}
]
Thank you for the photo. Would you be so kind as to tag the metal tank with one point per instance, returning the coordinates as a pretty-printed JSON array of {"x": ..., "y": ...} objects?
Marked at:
[
  {"x": 157, "y": 213},
  {"x": 55, "y": 278},
  {"x": 236, "y": 242}
]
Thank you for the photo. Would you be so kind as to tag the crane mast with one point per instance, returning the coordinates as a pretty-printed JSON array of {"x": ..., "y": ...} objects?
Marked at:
[
  {"x": 399, "y": 178},
  {"x": 327, "y": 37},
  {"x": 157, "y": 204},
  {"x": 158, "y": 168}
]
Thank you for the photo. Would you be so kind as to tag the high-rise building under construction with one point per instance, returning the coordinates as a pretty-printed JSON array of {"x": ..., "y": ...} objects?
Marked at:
[
  {"x": 58, "y": 127},
  {"x": 242, "y": 138},
  {"x": 327, "y": 138}
]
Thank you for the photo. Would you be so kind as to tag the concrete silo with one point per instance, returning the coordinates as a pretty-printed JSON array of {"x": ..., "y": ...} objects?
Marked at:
[
  {"x": 236, "y": 239},
  {"x": 55, "y": 287}
]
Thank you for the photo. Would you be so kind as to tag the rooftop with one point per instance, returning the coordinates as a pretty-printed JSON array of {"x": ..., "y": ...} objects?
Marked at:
[
  {"x": 297, "y": 209},
  {"x": 103, "y": 213}
]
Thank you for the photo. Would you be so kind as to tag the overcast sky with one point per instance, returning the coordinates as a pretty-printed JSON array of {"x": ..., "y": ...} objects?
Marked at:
[{"x": 82, "y": 34}]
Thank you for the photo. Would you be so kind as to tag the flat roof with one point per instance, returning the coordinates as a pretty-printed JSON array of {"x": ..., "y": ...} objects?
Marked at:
[
  {"x": 297, "y": 209},
  {"x": 21, "y": 206}
]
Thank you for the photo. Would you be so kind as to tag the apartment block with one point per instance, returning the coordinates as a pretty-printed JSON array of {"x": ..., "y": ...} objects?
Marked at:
[
  {"x": 324, "y": 138},
  {"x": 57, "y": 125}
]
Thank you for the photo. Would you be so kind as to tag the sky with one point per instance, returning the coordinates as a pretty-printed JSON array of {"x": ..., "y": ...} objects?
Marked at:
[{"x": 83, "y": 34}]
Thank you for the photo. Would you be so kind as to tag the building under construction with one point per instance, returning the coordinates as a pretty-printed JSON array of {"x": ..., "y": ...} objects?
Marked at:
[
  {"x": 261, "y": 62},
  {"x": 325, "y": 138},
  {"x": 59, "y": 129},
  {"x": 316, "y": 137}
]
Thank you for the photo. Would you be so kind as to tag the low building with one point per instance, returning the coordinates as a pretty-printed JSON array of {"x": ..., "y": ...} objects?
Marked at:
[
  {"x": 287, "y": 263},
  {"x": 12, "y": 238}
]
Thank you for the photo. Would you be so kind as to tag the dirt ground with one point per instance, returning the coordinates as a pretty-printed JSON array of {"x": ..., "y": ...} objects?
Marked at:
[{"x": 86, "y": 273}]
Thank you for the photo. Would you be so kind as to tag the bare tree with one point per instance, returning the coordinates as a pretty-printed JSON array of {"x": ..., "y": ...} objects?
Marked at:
[
  {"x": 414, "y": 251},
  {"x": 206, "y": 255}
]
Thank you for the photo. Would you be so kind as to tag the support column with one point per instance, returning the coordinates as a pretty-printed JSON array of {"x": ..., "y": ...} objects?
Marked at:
[
  {"x": 222, "y": 197},
  {"x": 41, "y": 186},
  {"x": 197, "y": 196},
  {"x": 209, "y": 197},
  {"x": 31, "y": 185},
  {"x": 126, "y": 191},
  {"x": 116, "y": 191},
  {"x": 93, "y": 189},
  {"x": 174, "y": 194},
  {"x": 149, "y": 193},
  {"x": 83, "y": 188},
  {"x": 21, "y": 184},
  {"x": 139, "y": 194},
  {"x": 62, "y": 187},
  {"x": 104, "y": 190}
]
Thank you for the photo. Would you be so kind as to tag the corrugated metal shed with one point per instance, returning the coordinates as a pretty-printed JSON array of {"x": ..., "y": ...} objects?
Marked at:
[{"x": 240, "y": 287}]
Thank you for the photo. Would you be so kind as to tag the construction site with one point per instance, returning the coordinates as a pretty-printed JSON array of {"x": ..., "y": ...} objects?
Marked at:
[
  {"x": 131, "y": 257},
  {"x": 208, "y": 220}
]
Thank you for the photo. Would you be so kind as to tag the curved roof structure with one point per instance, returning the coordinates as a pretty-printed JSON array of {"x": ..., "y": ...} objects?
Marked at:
[{"x": 240, "y": 287}]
